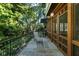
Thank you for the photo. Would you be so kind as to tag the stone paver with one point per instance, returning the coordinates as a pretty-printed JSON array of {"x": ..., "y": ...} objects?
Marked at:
[{"x": 40, "y": 46}]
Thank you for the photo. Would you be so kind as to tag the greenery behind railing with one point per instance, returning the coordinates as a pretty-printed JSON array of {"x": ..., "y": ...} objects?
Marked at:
[
  {"x": 15, "y": 20},
  {"x": 11, "y": 46}
]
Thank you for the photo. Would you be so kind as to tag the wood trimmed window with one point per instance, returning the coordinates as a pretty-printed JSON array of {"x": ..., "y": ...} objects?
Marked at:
[
  {"x": 54, "y": 25},
  {"x": 76, "y": 30},
  {"x": 76, "y": 21},
  {"x": 63, "y": 24}
]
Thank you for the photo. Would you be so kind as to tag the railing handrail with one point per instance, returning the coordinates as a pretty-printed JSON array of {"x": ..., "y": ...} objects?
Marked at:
[
  {"x": 9, "y": 38},
  {"x": 17, "y": 43}
]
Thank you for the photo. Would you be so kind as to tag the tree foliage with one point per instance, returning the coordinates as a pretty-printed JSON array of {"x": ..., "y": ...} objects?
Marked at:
[{"x": 16, "y": 17}]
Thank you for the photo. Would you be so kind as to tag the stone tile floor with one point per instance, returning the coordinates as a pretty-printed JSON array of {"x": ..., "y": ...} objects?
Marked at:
[{"x": 43, "y": 48}]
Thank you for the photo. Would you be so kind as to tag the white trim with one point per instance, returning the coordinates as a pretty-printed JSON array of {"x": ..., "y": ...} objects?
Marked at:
[{"x": 47, "y": 8}]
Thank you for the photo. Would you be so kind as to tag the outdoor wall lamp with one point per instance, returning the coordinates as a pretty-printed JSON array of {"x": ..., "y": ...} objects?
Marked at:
[{"x": 52, "y": 14}]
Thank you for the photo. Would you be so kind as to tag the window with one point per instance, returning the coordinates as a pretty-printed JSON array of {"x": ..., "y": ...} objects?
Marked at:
[
  {"x": 54, "y": 25},
  {"x": 75, "y": 50},
  {"x": 63, "y": 24},
  {"x": 76, "y": 21},
  {"x": 76, "y": 30},
  {"x": 61, "y": 27},
  {"x": 57, "y": 24}
]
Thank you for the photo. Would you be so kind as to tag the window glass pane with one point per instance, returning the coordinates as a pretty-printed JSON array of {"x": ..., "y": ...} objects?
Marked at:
[
  {"x": 76, "y": 21},
  {"x": 54, "y": 25},
  {"x": 63, "y": 24},
  {"x": 57, "y": 24},
  {"x": 75, "y": 50},
  {"x": 61, "y": 27}
]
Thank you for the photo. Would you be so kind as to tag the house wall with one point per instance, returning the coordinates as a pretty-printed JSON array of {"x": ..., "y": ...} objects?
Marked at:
[{"x": 61, "y": 28}]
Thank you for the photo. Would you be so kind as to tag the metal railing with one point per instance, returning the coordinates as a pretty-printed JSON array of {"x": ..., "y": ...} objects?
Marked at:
[{"x": 11, "y": 46}]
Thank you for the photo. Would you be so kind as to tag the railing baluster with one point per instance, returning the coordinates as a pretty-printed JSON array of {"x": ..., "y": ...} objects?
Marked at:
[{"x": 11, "y": 46}]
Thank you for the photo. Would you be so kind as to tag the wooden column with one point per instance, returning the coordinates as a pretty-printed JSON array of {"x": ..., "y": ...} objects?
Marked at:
[
  {"x": 70, "y": 30},
  {"x": 51, "y": 27}
]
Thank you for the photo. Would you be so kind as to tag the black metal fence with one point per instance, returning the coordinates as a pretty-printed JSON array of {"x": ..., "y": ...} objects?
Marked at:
[{"x": 11, "y": 46}]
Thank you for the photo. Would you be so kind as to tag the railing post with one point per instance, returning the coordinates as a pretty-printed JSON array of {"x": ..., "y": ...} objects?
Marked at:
[{"x": 10, "y": 47}]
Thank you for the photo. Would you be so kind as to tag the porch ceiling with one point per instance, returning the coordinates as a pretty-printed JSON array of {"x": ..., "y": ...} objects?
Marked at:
[{"x": 52, "y": 7}]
